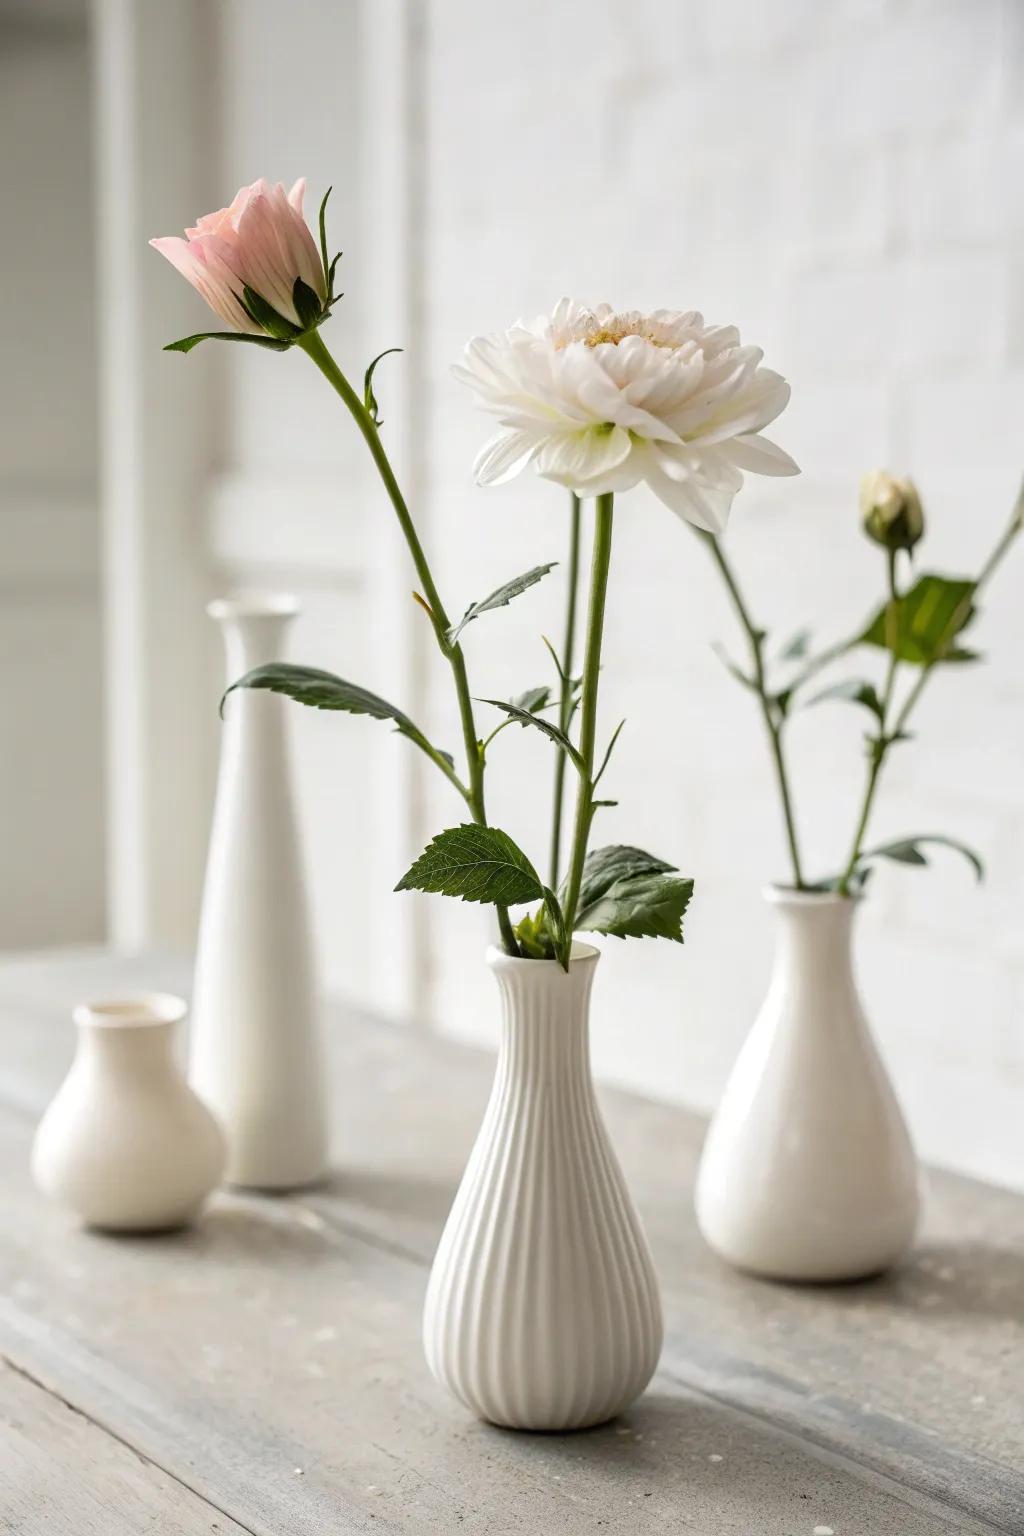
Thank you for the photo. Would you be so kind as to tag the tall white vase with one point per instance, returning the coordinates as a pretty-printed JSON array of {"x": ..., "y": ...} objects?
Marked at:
[
  {"x": 542, "y": 1310},
  {"x": 256, "y": 1054},
  {"x": 125, "y": 1143},
  {"x": 808, "y": 1172}
]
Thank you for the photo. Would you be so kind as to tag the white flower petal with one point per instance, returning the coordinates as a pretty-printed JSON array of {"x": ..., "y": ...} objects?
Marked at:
[
  {"x": 503, "y": 457},
  {"x": 760, "y": 455},
  {"x": 579, "y": 456}
]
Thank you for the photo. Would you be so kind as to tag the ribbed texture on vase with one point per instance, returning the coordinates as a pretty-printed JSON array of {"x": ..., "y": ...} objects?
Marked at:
[{"x": 542, "y": 1309}]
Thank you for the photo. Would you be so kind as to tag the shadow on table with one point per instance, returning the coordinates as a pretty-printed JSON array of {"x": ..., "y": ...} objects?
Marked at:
[{"x": 411, "y": 1197}]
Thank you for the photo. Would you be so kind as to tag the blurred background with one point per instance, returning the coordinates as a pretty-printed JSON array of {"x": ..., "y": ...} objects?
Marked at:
[{"x": 844, "y": 182}]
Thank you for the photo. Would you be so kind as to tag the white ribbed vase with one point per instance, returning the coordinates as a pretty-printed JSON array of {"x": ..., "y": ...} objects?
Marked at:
[
  {"x": 808, "y": 1172},
  {"x": 542, "y": 1309}
]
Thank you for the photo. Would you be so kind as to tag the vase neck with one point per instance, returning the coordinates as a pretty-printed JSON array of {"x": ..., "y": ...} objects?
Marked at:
[
  {"x": 253, "y": 631},
  {"x": 545, "y": 1019},
  {"x": 814, "y": 955},
  {"x": 140, "y": 1050}
]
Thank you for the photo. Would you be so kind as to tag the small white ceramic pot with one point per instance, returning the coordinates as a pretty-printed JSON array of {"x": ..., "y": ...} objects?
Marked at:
[
  {"x": 126, "y": 1143},
  {"x": 808, "y": 1172},
  {"x": 542, "y": 1309}
]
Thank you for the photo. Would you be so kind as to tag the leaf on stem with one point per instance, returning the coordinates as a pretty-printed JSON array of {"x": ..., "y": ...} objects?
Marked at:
[
  {"x": 477, "y": 864},
  {"x": 628, "y": 893},
  {"x": 524, "y": 717},
  {"x": 500, "y": 598},
  {"x": 369, "y": 398},
  {"x": 532, "y": 700},
  {"x": 929, "y": 617},
  {"x": 853, "y": 690},
  {"x": 907, "y": 850},
  {"x": 188, "y": 342},
  {"x": 731, "y": 666},
  {"x": 323, "y": 690},
  {"x": 608, "y": 753},
  {"x": 796, "y": 648}
]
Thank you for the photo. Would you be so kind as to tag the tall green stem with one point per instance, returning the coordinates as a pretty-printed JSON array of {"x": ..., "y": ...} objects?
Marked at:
[
  {"x": 565, "y": 708},
  {"x": 773, "y": 724},
  {"x": 313, "y": 345},
  {"x": 879, "y": 747},
  {"x": 599, "y": 568},
  {"x": 956, "y": 623}
]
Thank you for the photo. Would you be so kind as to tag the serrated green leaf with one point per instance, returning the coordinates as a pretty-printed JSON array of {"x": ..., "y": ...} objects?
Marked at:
[
  {"x": 930, "y": 616},
  {"x": 641, "y": 907},
  {"x": 604, "y": 866},
  {"x": 480, "y": 864},
  {"x": 188, "y": 342},
  {"x": 264, "y": 314},
  {"x": 532, "y": 700},
  {"x": 524, "y": 717},
  {"x": 854, "y": 690},
  {"x": 307, "y": 304},
  {"x": 500, "y": 598},
  {"x": 324, "y": 690},
  {"x": 369, "y": 398},
  {"x": 323, "y": 238}
]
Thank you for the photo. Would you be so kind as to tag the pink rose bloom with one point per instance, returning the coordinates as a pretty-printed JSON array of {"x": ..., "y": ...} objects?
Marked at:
[{"x": 261, "y": 242}]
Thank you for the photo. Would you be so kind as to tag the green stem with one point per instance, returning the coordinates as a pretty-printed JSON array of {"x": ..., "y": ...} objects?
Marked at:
[
  {"x": 958, "y": 619},
  {"x": 313, "y": 345},
  {"x": 879, "y": 748},
  {"x": 565, "y": 703},
  {"x": 755, "y": 638},
  {"x": 599, "y": 568}
]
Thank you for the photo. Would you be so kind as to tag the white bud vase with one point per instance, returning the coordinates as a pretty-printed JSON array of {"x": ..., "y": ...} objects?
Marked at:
[
  {"x": 256, "y": 1055},
  {"x": 542, "y": 1310},
  {"x": 125, "y": 1142},
  {"x": 808, "y": 1172}
]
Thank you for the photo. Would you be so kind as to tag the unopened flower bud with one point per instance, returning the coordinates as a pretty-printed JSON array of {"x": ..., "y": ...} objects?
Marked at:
[{"x": 891, "y": 510}]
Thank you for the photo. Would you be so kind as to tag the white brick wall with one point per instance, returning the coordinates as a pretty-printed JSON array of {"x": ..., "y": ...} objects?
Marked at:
[{"x": 846, "y": 182}]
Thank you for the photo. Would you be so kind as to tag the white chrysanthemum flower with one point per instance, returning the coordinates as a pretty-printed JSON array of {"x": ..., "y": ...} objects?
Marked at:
[{"x": 599, "y": 401}]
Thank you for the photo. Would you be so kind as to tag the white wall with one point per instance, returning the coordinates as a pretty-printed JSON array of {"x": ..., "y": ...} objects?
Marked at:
[
  {"x": 51, "y": 784},
  {"x": 842, "y": 181},
  {"x": 845, "y": 183}
]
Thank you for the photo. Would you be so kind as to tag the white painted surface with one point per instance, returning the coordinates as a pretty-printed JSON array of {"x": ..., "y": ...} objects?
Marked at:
[
  {"x": 51, "y": 789},
  {"x": 844, "y": 183}
]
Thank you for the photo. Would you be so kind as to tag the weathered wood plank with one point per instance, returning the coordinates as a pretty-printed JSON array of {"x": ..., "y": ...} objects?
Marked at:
[
  {"x": 915, "y": 1378},
  {"x": 61, "y": 1475}
]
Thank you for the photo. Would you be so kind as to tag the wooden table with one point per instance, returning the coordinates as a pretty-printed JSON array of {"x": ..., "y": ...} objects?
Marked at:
[{"x": 263, "y": 1373}]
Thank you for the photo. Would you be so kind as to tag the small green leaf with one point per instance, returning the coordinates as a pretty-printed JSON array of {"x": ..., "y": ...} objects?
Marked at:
[
  {"x": 796, "y": 648},
  {"x": 929, "y": 617},
  {"x": 307, "y": 304},
  {"x": 730, "y": 666},
  {"x": 534, "y": 936},
  {"x": 323, "y": 239},
  {"x": 524, "y": 717},
  {"x": 608, "y": 754},
  {"x": 907, "y": 850},
  {"x": 330, "y": 278},
  {"x": 500, "y": 598},
  {"x": 369, "y": 398},
  {"x": 556, "y": 923},
  {"x": 477, "y": 864},
  {"x": 264, "y": 314},
  {"x": 854, "y": 690},
  {"x": 188, "y": 342},
  {"x": 532, "y": 700}
]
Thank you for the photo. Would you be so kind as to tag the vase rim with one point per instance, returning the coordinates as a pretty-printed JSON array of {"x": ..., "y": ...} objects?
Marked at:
[
  {"x": 143, "y": 1010},
  {"x": 580, "y": 954},
  {"x": 254, "y": 605},
  {"x": 789, "y": 896}
]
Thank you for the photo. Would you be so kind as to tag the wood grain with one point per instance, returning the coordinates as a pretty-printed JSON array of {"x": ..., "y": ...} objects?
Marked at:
[{"x": 283, "y": 1334}]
